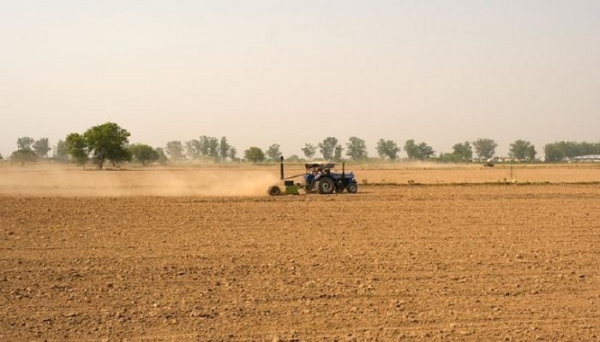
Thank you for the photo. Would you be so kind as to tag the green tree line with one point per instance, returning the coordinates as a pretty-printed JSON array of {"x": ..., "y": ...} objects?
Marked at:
[{"x": 109, "y": 142}]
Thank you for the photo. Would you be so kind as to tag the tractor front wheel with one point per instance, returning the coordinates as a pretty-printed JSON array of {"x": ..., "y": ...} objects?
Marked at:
[
  {"x": 326, "y": 186},
  {"x": 352, "y": 188}
]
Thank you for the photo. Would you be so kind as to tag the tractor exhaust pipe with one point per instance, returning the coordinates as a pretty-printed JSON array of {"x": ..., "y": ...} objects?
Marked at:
[
  {"x": 281, "y": 167},
  {"x": 343, "y": 170}
]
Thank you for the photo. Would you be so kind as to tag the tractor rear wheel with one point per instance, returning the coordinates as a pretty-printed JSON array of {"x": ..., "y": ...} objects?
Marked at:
[
  {"x": 352, "y": 188},
  {"x": 274, "y": 190},
  {"x": 326, "y": 186}
]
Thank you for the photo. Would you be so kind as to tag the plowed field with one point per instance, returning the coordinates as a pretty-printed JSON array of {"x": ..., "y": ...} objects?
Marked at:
[{"x": 474, "y": 263}]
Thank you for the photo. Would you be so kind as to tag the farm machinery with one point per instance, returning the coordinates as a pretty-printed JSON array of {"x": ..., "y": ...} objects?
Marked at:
[{"x": 318, "y": 178}]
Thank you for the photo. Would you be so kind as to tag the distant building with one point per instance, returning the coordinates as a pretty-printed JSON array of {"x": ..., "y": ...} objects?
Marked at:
[{"x": 587, "y": 158}]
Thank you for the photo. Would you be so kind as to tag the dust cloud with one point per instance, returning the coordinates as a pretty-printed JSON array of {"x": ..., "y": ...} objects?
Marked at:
[{"x": 35, "y": 182}]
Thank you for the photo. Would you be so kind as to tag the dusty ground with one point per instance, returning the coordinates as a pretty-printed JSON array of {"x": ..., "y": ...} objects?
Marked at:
[
  {"x": 479, "y": 263},
  {"x": 252, "y": 180}
]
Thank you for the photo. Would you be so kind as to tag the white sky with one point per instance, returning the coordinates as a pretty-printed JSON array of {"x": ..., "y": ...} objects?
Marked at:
[{"x": 291, "y": 72}]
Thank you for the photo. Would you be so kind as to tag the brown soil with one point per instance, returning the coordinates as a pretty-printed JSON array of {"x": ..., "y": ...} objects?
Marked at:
[{"x": 476, "y": 263}]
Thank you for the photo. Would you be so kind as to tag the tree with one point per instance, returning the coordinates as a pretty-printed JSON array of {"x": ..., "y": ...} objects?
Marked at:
[
  {"x": 387, "y": 149},
  {"x": 293, "y": 158},
  {"x": 426, "y": 151},
  {"x": 522, "y": 150},
  {"x": 224, "y": 148},
  {"x": 192, "y": 148},
  {"x": 254, "y": 154},
  {"x": 337, "y": 155},
  {"x": 76, "y": 147},
  {"x": 41, "y": 147},
  {"x": 211, "y": 146},
  {"x": 233, "y": 153},
  {"x": 1, "y": 158},
  {"x": 553, "y": 152},
  {"x": 175, "y": 150},
  {"x": 309, "y": 150},
  {"x": 356, "y": 149},
  {"x": 203, "y": 146},
  {"x": 562, "y": 150},
  {"x": 273, "y": 152},
  {"x": 24, "y": 144},
  {"x": 462, "y": 152},
  {"x": 411, "y": 149},
  {"x": 107, "y": 142},
  {"x": 449, "y": 158},
  {"x": 530, "y": 153},
  {"x": 328, "y": 147},
  {"x": 162, "y": 157},
  {"x": 419, "y": 151},
  {"x": 60, "y": 151},
  {"x": 143, "y": 153},
  {"x": 485, "y": 148},
  {"x": 23, "y": 156}
]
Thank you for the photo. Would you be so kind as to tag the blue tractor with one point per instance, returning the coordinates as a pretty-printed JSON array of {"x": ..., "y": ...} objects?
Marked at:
[{"x": 318, "y": 178}]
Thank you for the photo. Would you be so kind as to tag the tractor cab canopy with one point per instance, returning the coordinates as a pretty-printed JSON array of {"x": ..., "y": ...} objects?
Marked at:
[{"x": 319, "y": 166}]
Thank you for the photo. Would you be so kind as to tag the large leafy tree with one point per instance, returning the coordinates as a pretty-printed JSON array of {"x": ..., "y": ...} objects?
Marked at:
[
  {"x": 553, "y": 152},
  {"x": 463, "y": 151},
  {"x": 175, "y": 150},
  {"x": 107, "y": 142},
  {"x": 328, "y": 147},
  {"x": 144, "y": 153},
  {"x": 522, "y": 150},
  {"x": 41, "y": 147},
  {"x": 485, "y": 148},
  {"x": 309, "y": 150},
  {"x": 274, "y": 152},
  {"x": 411, "y": 149},
  {"x": 24, "y": 143},
  {"x": 24, "y": 152},
  {"x": 254, "y": 154},
  {"x": 426, "y": 151},
  {"x": 76, "y": 147},
  {"x": 356, "y": 149},
  {"x": 419, "y": 151},
  {"x": 387, "y": 149}
]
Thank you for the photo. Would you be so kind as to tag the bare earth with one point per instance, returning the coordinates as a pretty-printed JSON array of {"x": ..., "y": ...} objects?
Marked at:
[{"x": 390, "y": 263}]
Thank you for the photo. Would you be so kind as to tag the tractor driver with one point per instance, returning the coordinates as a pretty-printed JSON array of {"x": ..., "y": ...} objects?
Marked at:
[
  {"x": 316, "y": 172},
  {"x": 313, "y": 174}
]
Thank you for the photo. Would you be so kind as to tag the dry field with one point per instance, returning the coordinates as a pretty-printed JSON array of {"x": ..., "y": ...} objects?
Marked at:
[
  {"x": 174, "y": 256},
  {"x": 252, "y": 180}
]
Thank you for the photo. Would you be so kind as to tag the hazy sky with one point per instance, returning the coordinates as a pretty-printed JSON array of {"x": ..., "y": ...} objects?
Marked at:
[{"x": 291, "y": 72}]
